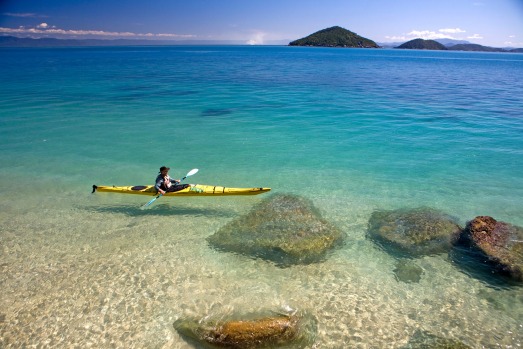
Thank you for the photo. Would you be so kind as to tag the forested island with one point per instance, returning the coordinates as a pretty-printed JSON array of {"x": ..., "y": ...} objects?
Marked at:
[
  {"x": 420, "y": 44},
  {"x": 335, "y": 37},
  {"x": 476, "y": 47}
]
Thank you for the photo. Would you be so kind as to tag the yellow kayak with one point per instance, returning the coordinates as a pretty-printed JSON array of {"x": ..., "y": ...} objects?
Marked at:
[{"x": 197, "y": 190}]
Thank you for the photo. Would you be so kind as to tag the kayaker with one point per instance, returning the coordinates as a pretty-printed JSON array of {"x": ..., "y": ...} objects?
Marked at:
[{"x": 164, "y": 183}]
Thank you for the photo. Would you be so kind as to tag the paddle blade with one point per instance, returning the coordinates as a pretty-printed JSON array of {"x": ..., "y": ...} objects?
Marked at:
[{"x": 191, "y": 172}]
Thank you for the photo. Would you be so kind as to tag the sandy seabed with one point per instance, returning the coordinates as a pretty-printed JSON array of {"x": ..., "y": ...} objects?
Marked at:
[{"x": 113, "y": 276}]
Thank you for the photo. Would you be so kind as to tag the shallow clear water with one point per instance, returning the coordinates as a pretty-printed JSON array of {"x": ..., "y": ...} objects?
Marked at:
[{"x": 353, "y": 130}]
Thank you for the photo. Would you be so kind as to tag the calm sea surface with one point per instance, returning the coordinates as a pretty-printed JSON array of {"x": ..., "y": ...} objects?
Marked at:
[{"x": 353, "y": 130}]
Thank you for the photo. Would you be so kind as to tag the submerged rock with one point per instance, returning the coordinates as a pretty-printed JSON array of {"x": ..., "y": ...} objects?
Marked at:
[
  {"x": 413, "y": 232},
  {"x": 297, "y": 331},
  {"x": 498, "y": 244},
  {"x": 427, "y": 340},
  {"x": 408, "y": 271},
  {"x": 286, "y": 229}
]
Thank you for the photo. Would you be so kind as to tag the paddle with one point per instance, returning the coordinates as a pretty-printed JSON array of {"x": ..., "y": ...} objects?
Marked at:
[{"x": 190, "y": 173}]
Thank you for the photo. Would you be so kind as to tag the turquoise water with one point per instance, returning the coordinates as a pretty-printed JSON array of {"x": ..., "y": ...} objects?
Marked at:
[{"x": 353, "y": 130}]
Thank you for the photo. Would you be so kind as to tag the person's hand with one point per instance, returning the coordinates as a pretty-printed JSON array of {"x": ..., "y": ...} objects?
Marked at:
[
  {"x": 161, "y": 191},
  {"x": 177, "y": 181}
]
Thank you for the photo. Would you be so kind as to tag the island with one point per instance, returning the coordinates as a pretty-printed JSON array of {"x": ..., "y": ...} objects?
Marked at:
[
  {"x": 420, "y": 44},
  {"x": 335, "y": 37},
  {"x": 475, "y": 47}
]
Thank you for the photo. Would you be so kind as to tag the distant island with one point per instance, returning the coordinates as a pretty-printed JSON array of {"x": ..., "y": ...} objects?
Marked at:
[
  {"x": 420, "y": 44},
  {"x": 335, "y": 37},
  {"x": 13, "y": 41},
  {"x": 476, "y": 47}
]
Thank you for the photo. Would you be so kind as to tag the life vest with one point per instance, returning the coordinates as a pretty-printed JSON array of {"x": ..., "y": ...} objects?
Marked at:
[{"x": 167, "y": 182}]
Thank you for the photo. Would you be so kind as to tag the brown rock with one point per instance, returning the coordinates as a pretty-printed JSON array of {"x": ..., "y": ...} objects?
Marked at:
[
  {"x": 240, "y": 334},
  {"x": 500, "y": 242},
  {"x": 265, "y": 332}
]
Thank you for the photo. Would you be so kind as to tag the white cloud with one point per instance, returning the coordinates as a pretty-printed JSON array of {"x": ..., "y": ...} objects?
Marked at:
[
  {"x": 428, "y": 35},
  {"x": 43, "y": 29},
  {"x": 475, "y": 37},
  {"x": 452, "y": 30},
  {"x": 24, "y": 15},
  {"x": 445, "y": 33}
]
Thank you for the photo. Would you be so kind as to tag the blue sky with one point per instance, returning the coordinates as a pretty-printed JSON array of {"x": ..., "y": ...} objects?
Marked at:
[{"x": 487, "y": 22}]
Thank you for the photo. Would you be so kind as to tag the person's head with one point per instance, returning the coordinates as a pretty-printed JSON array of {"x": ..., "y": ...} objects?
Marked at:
[{"x": 164, "y": 170}]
